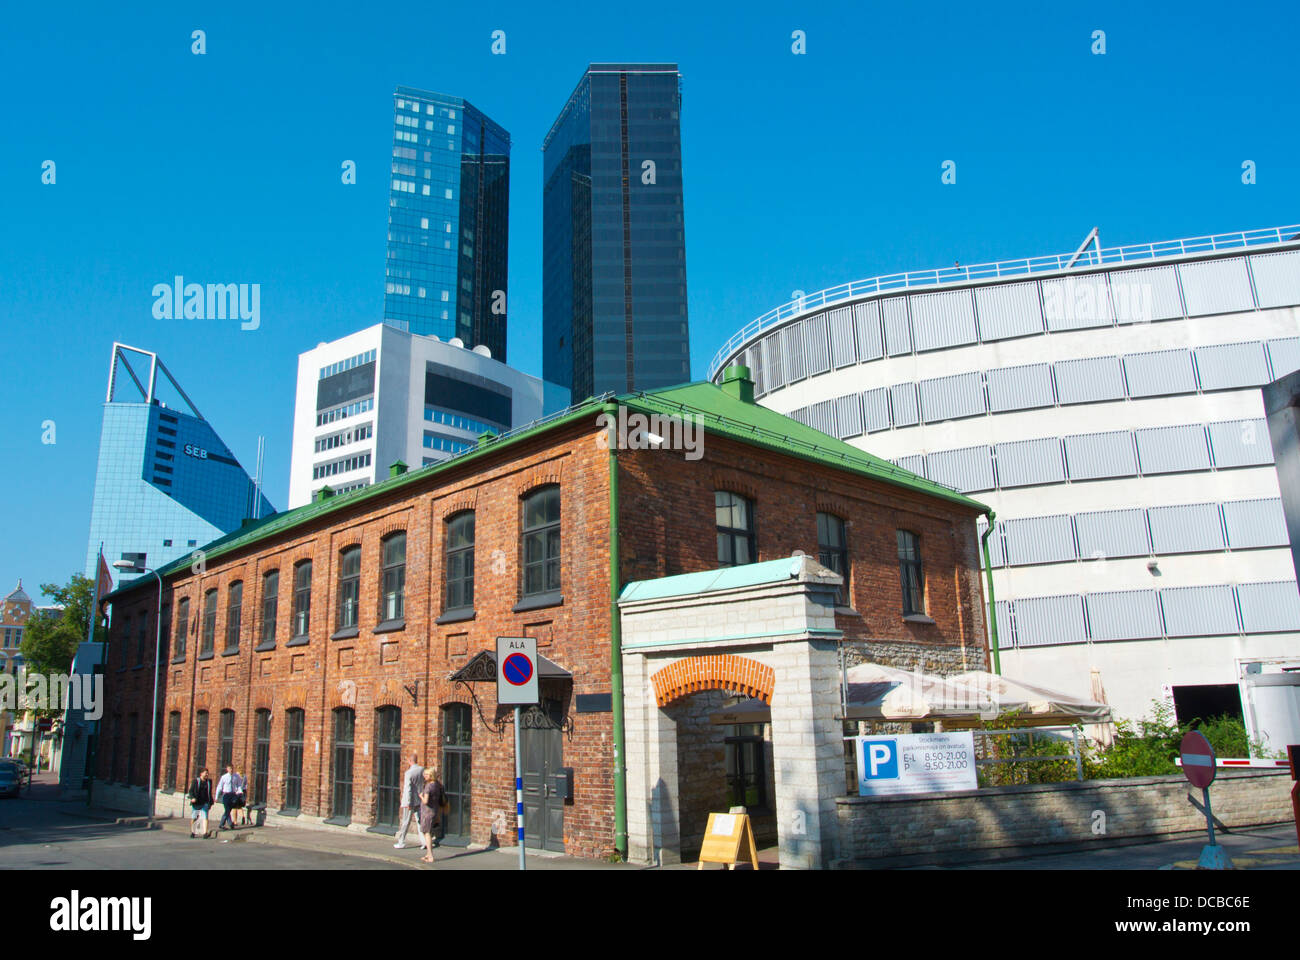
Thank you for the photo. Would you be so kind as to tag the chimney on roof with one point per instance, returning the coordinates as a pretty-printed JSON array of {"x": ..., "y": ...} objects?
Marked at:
[
  {"x": 736, "y": 382},
  {"x": 324, "y": 493},
  {"x": 396, "y": 469},
  {"x": 486, "y": 437}
]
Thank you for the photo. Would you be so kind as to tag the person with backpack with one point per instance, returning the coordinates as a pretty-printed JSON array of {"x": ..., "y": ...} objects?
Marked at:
[{"x": 200, "y": 802}]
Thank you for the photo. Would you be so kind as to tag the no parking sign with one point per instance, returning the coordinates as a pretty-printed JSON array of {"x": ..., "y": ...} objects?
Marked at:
[{"x": 516, "y": 670}]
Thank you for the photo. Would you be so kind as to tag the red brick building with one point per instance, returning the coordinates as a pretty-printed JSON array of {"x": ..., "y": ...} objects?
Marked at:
[{"x": 319, "y": 648}]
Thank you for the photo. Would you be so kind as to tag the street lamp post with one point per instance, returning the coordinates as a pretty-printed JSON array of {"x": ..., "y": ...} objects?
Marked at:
[{"x": 127, "y": 566}]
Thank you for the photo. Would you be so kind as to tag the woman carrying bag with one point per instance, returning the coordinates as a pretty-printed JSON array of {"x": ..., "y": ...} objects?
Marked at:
[{"x": 433, "y": 803}]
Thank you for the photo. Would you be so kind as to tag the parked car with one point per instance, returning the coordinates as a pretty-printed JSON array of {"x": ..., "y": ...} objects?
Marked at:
[{"x": 11, "y": 778}]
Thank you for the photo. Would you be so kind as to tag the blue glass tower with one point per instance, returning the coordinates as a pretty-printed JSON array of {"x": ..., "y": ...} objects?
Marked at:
[
  {"x": 448, "y": 217},
  {"x": 613, "y": 237},
  {"x": 165, "y": 483}
]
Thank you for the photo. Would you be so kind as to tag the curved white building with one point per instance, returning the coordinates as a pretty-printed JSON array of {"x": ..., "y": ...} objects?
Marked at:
[{"x": 1107, "y": 405}]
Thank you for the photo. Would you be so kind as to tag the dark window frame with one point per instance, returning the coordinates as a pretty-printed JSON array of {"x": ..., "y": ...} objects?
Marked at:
[
  {"x": 200, "y": 741},
  {"x": 343, "y": 762},
  {"x": 295, "y": 728},
  {"x": 348, "y": 614},
  {"x": 732, "y": 535},
  {"x": 301, "y": 600},
  {"x": 458, "y": 565},
  {"x": 270, "y": 608},
  {"x": 911, "y": 573},
  {"x": 173, "y": 747},
  {"x": 182, "y": 627},
  {"x": 539, "y": 532},
  {"x": 831, "y": 555},
  {"x": 234, "y": 615},
  {"x": 261, "y": 757},
  {"x": 392, "y": 577},
  {"x": 225, "y": 739},
  {"x": 208, "y": 635}
]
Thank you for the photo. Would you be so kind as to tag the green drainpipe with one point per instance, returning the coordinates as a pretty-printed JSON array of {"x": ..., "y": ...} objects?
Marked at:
[
  {"x": 993, "y": 609},
  {"x": 616, "y": 656}
]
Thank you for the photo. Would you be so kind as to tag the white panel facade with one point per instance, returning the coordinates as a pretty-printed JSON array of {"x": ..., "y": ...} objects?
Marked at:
[
  {"x": 1277, "y": 278},
  {"x": 1230, "y": 366},
  {"x": 1020, "y": 388},
  {"x": 941, "y": 320},
  {"x": 1008, "y": 310},
  {"x": 1216, "y": 286}
]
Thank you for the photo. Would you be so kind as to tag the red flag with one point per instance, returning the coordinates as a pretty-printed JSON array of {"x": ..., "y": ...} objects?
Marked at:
[{"x": 104, "y": 584}]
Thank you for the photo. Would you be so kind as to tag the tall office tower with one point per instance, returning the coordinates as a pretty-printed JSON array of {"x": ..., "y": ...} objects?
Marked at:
[
  {"x": 165, "y": 482},
  {"x": 614, "y": 249},
  {"x": 448, "y": 214}
]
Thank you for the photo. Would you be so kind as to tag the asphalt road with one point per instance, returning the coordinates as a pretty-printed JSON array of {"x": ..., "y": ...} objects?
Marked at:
[{"x": 39, "y": 832}]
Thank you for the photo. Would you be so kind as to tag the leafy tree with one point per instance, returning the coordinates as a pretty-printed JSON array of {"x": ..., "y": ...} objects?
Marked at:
[{"x": 50, "y": 642}]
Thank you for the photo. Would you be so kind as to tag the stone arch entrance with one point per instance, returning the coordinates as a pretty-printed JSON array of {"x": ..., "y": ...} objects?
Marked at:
[{"x": 766, "y": 633}]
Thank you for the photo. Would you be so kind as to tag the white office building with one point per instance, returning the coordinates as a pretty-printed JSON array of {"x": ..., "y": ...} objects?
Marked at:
[
  {"x": 381, "y": 395},
  {"x": 1106, "y": 404}
]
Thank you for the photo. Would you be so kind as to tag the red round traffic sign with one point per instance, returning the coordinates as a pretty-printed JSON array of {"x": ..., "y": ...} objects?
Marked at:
[
  {"x": 1198, "y": 759},
  {"x": 518, "y": 669}
]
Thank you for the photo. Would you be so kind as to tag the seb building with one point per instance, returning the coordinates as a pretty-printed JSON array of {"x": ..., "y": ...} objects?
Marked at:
[{"x": 673, "y": 553}]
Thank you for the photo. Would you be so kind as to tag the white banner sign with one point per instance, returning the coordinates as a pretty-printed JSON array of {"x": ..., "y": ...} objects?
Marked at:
[{"x": 916, "y": 763}]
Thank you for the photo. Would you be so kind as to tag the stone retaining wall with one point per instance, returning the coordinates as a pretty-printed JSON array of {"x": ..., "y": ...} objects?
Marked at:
[{"x": 1093, "y": 811}]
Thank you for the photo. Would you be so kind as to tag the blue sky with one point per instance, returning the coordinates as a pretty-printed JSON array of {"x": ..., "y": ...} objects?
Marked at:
[{"x": 801, "y": 172}]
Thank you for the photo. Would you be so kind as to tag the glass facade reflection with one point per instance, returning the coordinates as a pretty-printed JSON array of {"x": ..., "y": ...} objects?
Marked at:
[
  {"x": 448, "y": 214},
  {"x": 165, "y": 482},
  {"x": 614, "y": 249}
]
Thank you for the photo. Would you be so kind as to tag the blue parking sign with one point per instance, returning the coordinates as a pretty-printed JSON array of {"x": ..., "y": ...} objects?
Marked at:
[{"x": 879, "y": 759}]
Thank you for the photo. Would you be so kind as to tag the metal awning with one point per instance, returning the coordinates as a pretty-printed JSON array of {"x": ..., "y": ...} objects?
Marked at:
[{"x": 482, "y": 668}]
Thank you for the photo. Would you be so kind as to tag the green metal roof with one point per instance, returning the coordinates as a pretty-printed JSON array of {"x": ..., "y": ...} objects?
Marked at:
[
  {"x": 718, "y": 411},
  {"x": 729, "y": 416},
  {"x": 726, "y": 578}
]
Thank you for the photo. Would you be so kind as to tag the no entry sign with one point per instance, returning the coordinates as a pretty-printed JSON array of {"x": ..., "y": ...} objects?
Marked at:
[
  {"x": 516, "y": 670},
  {"x": 1198, "y": 760}
]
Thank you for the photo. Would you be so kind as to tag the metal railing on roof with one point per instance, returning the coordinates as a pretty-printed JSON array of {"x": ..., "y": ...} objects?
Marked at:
[{"x": 1092, "y": 257}]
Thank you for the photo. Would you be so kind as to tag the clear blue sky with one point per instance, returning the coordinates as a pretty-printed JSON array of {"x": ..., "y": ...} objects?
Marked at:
[{"x": 800, "y": 172}]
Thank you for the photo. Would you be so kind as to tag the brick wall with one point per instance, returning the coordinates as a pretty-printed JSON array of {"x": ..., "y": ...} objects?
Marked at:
[
  {"x": 935, "y": 825},
  {"x": 667, "y": 526}
]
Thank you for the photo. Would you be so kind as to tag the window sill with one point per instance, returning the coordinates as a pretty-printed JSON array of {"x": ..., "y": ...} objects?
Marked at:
[
  {"x": 847, "y": 612},
  {"x": 206, "y": 656},
  {"x": 338, "y": 821},
  {"x": 345, "y": 633},
  {"x": 458, "y": 615},
  {"x": 180, "y": 659},
  {"x": 298, "y": 641},
  {"x": 288, "y": 813},
  {"x": 390, "y": 831},
  {"x": 231, "y": 652},
  {"x": 917, "y": 618},
  {"x": 264, "y": 647},
  {"x": 390, "y": 626},
  {"x": 555, "y": 599}
]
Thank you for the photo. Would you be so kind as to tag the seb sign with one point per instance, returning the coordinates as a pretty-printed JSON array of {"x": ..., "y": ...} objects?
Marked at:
[{"x": 195, "y": 451}]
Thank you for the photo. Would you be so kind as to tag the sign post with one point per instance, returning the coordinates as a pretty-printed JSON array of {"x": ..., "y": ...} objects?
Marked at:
[
  {"x": 517, "y": 685},
  {"x": 1199, "y": 768}
]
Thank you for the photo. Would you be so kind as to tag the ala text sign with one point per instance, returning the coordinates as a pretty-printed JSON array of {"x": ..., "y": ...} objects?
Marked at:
[
  {"x": 516, "y": 670},
  {"x": 915, "y": 763}
]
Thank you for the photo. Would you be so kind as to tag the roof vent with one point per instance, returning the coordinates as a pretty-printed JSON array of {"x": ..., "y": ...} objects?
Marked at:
[
  {"x": 457, "y": 342},
  {"x": 324, "y": 493},
  {"x": 397, "y": 468},
  {"x": 483, "y": 351},
  {"x": 736, "y": 382},
  {"x": 486, "y": 437}
]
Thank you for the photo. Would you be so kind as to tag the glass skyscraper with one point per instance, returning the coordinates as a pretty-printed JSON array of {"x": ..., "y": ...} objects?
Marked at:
[
  {"x": 165, "y": 482},
  {"x": 614, "y": 248},
  {"x": 448, "y": 215}
]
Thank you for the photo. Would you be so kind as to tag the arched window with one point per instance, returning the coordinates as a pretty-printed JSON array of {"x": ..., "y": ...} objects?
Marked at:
[
  {"x": 345, "y": 725},
  {"x": 388, "y": 761},
  {"x": 459, "y": 567},
  {"x": 294, "y": 724},
  {"x": 349, "y": 587},
  {"x": 234, "y": 614},
  {"x": 541, "y": 542},
  {"x": 735, "y": 519},
  {"x": 209, "y": 643},
  {"x": 910, "y": 573},
  {"x": 226, "y": 745},
  {"x": 833, "y": 548},
  {"x": 270, "y": 607},
  {"x": 261, "y": 757},
  {"x": 457, "y": 733},
  {"x": 200, "y": 741},
  {"x": 302, "y": 599},
  {"x": 392, "y": 577},
  {"x": 173, "y": 747},
  {"x": 182, "y": 626}
]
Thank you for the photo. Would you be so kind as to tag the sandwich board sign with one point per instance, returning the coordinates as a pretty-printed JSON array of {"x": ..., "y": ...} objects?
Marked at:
[
  {"x": 729, "y": 839},
  {"x": 516, "y": 670}
]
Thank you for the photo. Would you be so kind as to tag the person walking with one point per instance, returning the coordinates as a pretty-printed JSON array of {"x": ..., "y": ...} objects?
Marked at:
[
  {"x": 227, "y": 793},
  {"x": 412, "y": 782},
  {"x": 241, "y": 805},
  {"x": 200, "y": 802},
  {"x": 432, "y": 798}
]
